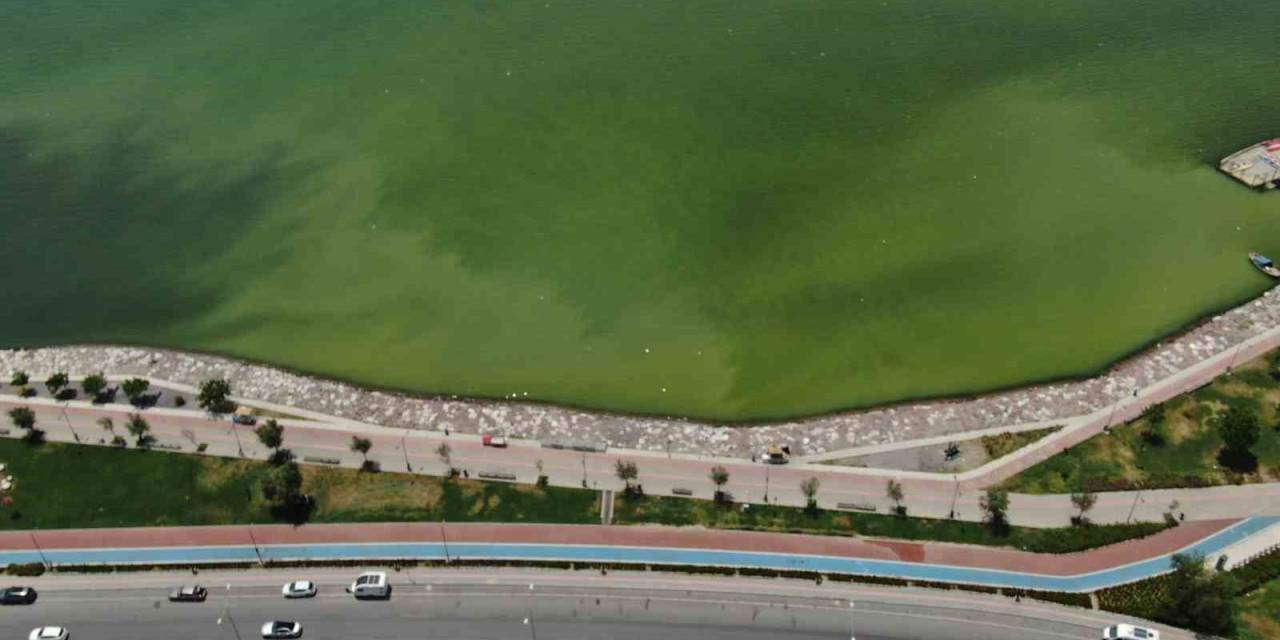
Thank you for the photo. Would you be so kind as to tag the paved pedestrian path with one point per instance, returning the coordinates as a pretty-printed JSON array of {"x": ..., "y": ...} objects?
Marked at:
[
  {"x": 927, "y": 561},
  {"x": 927, "y": 495}
]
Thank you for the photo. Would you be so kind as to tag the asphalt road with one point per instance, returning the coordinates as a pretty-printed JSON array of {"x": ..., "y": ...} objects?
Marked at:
[{"x": 501, "y": 605}]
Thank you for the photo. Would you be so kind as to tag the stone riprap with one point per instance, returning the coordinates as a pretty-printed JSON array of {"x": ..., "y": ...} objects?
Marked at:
[{"x": 543, "y": 422}]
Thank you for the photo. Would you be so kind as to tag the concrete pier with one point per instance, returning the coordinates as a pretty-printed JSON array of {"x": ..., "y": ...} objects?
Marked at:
[{"x": 1256, "y": 166}]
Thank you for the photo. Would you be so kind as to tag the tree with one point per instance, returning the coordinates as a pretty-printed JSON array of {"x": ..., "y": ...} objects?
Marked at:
[
  {"x": 720, "y": 477},
  {"x": 445, "y": 453},
  {"x": 543, "y": 480},
  {"x": 215, "y": 397},
  {"x": 1154, "y": 413},
  {"x": 23, "y": 418},
  {"x": 134, "y": 388},
  {"x": 1197, "y": 599},
  {"x": 281, "y": 486},
  {"x": 1083, "y": 502},
  {"x": 893, "y": 489},
  {"x": 19, "y": 379},
  {"x": 270, "y": 434},
  {"x": 809, "y": 487},
  {"x": 57, "y": 382},
  {"x": 107, "y": 425},
  {"x": 1239, "y": 429},
  {"x": 139, "y": 429},
  {"x": 995, "y": 504},
  {"x": 627, "y": 472},
  {"x": 93, "y": 384},
  {"x": 361, "y": 446}
]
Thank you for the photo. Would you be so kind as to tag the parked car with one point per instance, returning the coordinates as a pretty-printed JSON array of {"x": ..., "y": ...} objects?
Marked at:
[
  {"x": 18, "y": 595},
  {"x": 300, "y": 589},
  {"x": 370, "y": 585},
  {"x": 281, "y": 629},
  {"x": 49, "y": 633},
  {"x": 490, "y": 440},
  {"x": 1129, "y": 632},
  {"x": 244, "y": 415},
  {"x": 777, "y": 454},
  {"x": 189, "y": 593}
]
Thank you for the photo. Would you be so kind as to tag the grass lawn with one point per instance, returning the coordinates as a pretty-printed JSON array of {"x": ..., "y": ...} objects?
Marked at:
[
  {"x": 1180, "y": 451},
  {"x": 1003, "y": 444},
  {"x": 683, "y": 511},
  {"x": 62, "y": 486},
  {"x": 1259, "y": 617}
]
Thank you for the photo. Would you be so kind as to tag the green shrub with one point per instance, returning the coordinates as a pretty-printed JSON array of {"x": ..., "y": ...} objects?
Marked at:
[{"x": 29, "y": 569}]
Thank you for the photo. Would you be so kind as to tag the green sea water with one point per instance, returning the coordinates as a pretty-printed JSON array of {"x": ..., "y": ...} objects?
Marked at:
[{"x": 716, "y": 208}]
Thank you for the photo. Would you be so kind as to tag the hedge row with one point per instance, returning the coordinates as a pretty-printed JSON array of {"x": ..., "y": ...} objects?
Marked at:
[
  {"x": 1141, "y": 598},
  {"x": 1257, "y": 573}
]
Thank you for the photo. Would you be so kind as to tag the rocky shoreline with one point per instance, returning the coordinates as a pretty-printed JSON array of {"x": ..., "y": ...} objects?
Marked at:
[{"x": 539, "y": 421}]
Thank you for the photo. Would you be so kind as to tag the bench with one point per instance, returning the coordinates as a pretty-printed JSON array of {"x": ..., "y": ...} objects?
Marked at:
[
  {"x": 320, "y": 460},
  {"x": 856, "y": 506}
]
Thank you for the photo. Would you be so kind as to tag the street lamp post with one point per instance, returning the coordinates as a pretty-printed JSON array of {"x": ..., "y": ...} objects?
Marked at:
[
  {"x": 528, "y": 620},
  {"x": 67, "y": 419},
  {"x": 445, "y": 540},
  {"x": 43, "y": 560},
  {"x": 1134, "y": 506},
  {"x": 256, "y": 550},
  {"x": 954, "y": 495},
  {"x": 235, "y": 431},
  {"x": 226, "y": 613},
  {"x": 404, "y": 447},
  {"x": 851, "y": 623}
]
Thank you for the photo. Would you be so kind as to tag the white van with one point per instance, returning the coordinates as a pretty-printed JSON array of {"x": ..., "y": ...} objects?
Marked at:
[
  {"x": 1129, "y": 632},
  {"x": 370, "y": 585}
]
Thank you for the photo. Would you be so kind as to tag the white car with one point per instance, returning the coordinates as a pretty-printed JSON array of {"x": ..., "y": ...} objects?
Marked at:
[
  {"x": 370, "y": 585},
  {"x": 277, "y": 629},
  {"x": 299, "y": 589},
  {"x": 49, "y": 633},
  {"x": 1129, "y": 632}
]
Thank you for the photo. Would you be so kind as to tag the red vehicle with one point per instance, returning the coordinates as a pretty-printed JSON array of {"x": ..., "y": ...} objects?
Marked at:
[{"x": 490, "y": 440}]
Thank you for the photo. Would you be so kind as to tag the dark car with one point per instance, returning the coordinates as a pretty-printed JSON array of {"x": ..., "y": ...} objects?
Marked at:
[
  {"x": 18, "y": 595},
  {"x": 193, "y": 593}
]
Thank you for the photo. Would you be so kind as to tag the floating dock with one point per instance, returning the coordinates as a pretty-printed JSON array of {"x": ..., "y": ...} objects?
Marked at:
[{"x": 1256, "y": 166}]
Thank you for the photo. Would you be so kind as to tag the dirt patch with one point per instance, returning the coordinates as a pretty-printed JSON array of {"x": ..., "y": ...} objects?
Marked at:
[
  {"x": 1178, "y": 427},
  {"x": 214, "y": 474},
  {"x": 1263, "y": 626},
  {"x": 349, "y": 491}
]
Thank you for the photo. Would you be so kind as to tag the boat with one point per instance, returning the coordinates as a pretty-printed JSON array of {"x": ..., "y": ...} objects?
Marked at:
[
  {"x": 1256, "y": 166},
  {"x": 1264, "y": 264}
]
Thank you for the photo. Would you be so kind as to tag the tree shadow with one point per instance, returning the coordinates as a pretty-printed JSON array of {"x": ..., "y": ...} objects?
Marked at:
[
  {"x": 295, "y": 512},
  {"x": 1238, "y": 461}
]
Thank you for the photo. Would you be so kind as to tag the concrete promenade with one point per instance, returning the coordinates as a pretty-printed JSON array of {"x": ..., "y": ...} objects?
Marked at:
[
  {"x": 922, "y": 561},
  {"x": 401, "y": 450}
]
